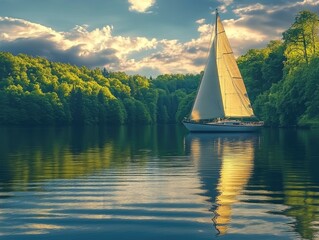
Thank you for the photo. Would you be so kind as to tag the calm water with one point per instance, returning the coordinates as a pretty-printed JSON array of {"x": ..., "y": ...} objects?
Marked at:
[{"x": 158, "y": 183}]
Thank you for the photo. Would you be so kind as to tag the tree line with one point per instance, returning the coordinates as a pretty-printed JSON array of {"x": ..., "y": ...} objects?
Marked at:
[
  {"x": 35, "y": 91},
  {"x": 282, "y": 81}
]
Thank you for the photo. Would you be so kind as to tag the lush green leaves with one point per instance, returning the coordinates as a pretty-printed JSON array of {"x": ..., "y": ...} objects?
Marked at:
[
  {"x": 35, "y": 91},
  {"x": 301, "y": 39},
  {"x": 283, "y": 78}
]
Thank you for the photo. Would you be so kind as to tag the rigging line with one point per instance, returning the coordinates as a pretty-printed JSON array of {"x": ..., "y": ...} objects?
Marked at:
[
  {"x": 238, "y": 90},
  {"x": 235, "y": 86},
  {"x": 243, "y": 101}
]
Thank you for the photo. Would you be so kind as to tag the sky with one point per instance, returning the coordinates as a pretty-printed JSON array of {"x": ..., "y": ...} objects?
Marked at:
[{"x": 146, "y": 37}]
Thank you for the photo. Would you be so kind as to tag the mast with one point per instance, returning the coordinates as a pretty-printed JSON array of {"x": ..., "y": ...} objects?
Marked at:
[
  {"x": 208, "y": 103},
  {"x": 216, "y": 17}
]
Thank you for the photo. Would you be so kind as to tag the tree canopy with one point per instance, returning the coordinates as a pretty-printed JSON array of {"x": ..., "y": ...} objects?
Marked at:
[{"x": 35, "y": 91}]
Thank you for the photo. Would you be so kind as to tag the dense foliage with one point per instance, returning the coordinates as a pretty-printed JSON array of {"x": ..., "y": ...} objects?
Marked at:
[
  {"x": 282, "y": 81},
  {"x": 34, "y": 91},
  {"x": 283, "y": 78}
]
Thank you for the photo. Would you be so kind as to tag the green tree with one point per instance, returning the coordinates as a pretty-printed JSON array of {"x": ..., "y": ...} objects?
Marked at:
[
  {"x": 76, "y": 106},
  {"x": 301, "y": 39},
  {"x": 250, "y": 66},
  {"x": 185, "y": 107},
  {"x": 272, "y": 67},
  {"x": 116, "y": 112}
]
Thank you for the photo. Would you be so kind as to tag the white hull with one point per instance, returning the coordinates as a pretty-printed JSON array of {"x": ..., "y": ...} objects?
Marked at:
[{"x": 217, "y": 127}]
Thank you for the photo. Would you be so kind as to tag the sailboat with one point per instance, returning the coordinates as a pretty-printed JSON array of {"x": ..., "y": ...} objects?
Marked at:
[{"x": 221, "y": 103}]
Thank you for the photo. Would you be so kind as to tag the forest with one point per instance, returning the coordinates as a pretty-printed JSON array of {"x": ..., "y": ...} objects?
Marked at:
[{"x": 282, "y": 82}]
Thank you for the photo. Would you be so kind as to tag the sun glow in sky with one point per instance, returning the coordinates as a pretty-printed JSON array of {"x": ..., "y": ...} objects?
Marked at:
[{"x": 147, "y": 37}]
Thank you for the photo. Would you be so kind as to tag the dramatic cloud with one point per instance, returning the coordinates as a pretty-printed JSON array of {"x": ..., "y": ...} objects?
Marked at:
[
  {"x": 140, "y": 5},
  {"x": 13, "y": 28},
  {"x": 254, "y": 25},
  {"x": 272, "y": 17},
  {"x": 52, "y": 51},
  {"x": 96, "y": 48},
  {"x": 247, "y": 26},
  {"x": 173, "y": 56},
  {"x": 99, "y": 48}
]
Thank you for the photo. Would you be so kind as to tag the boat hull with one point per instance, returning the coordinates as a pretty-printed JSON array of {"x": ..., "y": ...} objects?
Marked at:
[{"x": 216, "y": 127}]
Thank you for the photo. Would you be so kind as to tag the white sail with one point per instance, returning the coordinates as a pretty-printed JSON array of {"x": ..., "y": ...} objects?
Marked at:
[
  {"x": 222, "y": 92},
  {"x": 235, "y": 99},
  {"x": 208, "y": 103}
]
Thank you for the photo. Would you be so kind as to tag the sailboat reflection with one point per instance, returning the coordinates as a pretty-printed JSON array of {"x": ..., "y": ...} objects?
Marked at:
[{"x": 225, "y": 163}]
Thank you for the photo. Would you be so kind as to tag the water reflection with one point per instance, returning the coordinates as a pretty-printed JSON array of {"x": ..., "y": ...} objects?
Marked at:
[
  {"x": 39, "y": 154},
  {"x": 158, "y": 182},
  {"x": 225, "y": 163},
  {"x": 100, "y": 183},
  {"x": 287, "y": 173}
]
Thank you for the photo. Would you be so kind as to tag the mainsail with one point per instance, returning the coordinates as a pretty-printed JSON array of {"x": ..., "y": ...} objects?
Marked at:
[{"x": 222, "y": 92}]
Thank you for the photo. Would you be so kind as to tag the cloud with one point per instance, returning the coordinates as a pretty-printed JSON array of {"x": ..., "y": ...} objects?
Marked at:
[
  {"x": 201, "y": 21},
  {"x": 254, "y": 25},
  {"x": 96, "y": 48},
  {"x": 249, "y": 9},
  {"x": 224, "y": 4},
  {"x": 173, "y": 56},
  {"x": 270, "y": 16},
  {"x": 99, "y": 48},
  {"x": 13, "y": 28},
  {"x": 140, "y": 5},
  {"x": 251, "y": 26},
  {"x": 51, "y": 50},
  {"x": 243, "y": 38}
]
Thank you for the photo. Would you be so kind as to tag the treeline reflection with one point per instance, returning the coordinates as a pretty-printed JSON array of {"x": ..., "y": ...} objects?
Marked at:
[
  {"x": 38, "y": 154},
  {"x": 287, "y": 169}
]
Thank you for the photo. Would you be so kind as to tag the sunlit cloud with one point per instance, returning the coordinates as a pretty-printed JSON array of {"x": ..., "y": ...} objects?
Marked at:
[
  {"x": 80, "y": 46},
  {"x": 292, "y": 5},
  {"x": 249, "y": 8},
  {"x": 140, "y": 5},
  {"x": 224, "y": 4},
  {"x": 201, "y": 21},
  {"x": 247, "y": 26},
  {"x": 99, "y": 48},
  {"x": 13, "y": 28},
  {"x": 254, "y": 25},
  {"x": 173, "y": 56},
  {"x": 242, "y": 38}
]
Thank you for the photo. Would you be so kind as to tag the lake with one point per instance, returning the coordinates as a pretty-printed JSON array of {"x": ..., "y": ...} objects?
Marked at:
[{"x": 158, "y": 182}]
